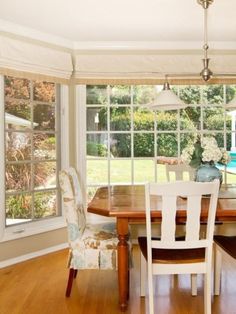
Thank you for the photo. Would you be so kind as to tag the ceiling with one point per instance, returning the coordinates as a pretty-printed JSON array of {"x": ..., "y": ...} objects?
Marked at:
[{"x": 120, "y": 23}]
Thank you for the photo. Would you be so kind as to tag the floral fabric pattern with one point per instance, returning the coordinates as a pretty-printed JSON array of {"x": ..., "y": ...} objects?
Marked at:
[{"x": 93, "y": 246}]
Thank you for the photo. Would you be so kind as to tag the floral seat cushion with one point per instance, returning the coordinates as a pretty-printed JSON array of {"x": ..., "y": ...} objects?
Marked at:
[
  {"x": 96, "y": 249},
  {"x": 95, "y": 236}
]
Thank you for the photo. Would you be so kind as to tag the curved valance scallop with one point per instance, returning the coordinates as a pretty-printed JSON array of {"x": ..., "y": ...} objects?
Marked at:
[{"x": 32, "y": 60}]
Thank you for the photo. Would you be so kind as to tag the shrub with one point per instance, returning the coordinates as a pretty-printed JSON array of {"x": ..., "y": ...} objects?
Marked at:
[{"x": 96, "y": 149}]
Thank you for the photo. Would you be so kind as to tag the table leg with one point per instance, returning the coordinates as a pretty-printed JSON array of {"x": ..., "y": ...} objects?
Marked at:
[{"x": 123, "y": 262}]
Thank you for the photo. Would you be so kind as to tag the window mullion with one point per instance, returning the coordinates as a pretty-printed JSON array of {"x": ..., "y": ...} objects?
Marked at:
[
  {"x": 109, "y": 133},
  {"x": 132, "y": 135},
  {"x": 2, "y": 159},
  {"x": 32, "y": 148}
]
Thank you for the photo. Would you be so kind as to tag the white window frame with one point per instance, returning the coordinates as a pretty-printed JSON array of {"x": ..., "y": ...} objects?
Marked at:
[
  {"x": 81, "y": 134},
  {"x": 34, "y": 227}
]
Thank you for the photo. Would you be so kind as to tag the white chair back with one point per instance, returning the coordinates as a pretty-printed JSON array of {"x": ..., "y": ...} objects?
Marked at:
[
  {"x": 73, "y": 203},
  {"x": 171, "y": 195},
  {"x": 179, "y": 172}
]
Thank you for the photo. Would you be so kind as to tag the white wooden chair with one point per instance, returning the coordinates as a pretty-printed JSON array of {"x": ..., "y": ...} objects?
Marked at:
[
  {"x": 179, "y": 172},
  {"x": 224, "y": 248},
  {"x": 182, "y": 172},
  {"x": 169, "y": 255}
]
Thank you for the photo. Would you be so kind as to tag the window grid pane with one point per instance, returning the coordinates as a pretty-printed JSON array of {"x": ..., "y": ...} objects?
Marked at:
[
  {"x": 32, "y": 129},
  {"x": 136, "y": 138}
]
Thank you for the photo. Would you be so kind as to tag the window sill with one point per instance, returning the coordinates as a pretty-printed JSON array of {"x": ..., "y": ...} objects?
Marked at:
[{"x": 29, "y": 229}]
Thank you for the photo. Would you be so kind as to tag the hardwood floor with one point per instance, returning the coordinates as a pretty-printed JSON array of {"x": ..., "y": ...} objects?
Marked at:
[{"x": 38, "y": 286}]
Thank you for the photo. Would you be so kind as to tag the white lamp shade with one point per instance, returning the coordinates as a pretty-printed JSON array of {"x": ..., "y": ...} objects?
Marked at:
[{"x": 167, "y": 100}]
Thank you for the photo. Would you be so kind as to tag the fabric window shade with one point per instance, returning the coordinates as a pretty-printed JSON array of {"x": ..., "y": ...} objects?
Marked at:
[
  {"x": 34, "y": 61},
  {"x": 149, "y": 67}
]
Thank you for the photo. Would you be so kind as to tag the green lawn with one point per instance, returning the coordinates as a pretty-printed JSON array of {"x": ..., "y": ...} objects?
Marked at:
[
  {"x": 144, "y": 170},
  {"x": 121, "y": 170}
]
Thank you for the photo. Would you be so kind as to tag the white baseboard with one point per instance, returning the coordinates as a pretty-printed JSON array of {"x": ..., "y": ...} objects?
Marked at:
[{"x": 28, "y": 256}]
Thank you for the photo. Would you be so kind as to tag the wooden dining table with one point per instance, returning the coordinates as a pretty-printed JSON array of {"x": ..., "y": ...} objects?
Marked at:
[{"x": 126, "y": 203}]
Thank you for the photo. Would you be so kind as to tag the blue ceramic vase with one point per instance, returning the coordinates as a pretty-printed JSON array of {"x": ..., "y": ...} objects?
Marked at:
[{"x": 207, "y": 172}]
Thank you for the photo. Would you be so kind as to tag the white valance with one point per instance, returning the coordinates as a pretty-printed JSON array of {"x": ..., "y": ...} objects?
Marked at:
[
  {"x": 32, "y": 58},
  {"x": 149, "y": 67}
]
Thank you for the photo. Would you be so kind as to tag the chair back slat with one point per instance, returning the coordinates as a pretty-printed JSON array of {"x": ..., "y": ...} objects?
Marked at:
[
  {"x": 168, "y": 225},
  {"x": 193, "y": 218}
]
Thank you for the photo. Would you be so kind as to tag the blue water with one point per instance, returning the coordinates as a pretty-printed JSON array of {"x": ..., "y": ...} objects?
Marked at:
[{"x": 231, "y": 164}]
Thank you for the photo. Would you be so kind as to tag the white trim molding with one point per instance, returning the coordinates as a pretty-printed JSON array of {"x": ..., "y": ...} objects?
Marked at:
[
  {"x": 28, "y": 256},
  {"x": 2, "y": 159}
]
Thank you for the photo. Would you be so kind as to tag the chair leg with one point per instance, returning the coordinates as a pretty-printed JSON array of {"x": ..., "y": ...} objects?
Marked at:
[
  {"x": 217, "y": 271},
  {"x": 143, "y": 274},
  {"x": 75, "y": 272},
  {"x": 194, "y": 284},
  {"x": 207, "y": 292},
  {"x": 70, "y": 281},
  {"x": 128, "y": 284},
  {"x": 150, "y": 291}
]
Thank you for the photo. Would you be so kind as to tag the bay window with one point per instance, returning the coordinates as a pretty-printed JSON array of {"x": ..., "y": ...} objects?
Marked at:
[{"x": 129, "y": 144}]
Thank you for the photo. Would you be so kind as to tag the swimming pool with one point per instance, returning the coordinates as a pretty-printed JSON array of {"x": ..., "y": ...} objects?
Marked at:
[
  {"x": 231, "y": 166},
  {"x": 232, "y": 163}
]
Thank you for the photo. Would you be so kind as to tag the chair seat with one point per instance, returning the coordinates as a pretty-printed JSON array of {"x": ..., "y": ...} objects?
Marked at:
[
  {"x": 171, "y": 256},
  {"x": 227, "y": 243},
  {"x": 96, "y": 248},
  {"x": 95, "y": 236}
]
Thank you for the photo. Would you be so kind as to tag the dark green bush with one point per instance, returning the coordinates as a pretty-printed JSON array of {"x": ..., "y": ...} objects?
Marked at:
[
  {"x": 96, "y": 149},
  {"x": 143, "y": 145}
]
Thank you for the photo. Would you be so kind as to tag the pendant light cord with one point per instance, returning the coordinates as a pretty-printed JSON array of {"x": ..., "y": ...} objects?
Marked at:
[{"x": 205, "y": 46}]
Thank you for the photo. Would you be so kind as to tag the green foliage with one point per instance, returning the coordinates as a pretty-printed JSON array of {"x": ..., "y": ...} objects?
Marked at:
[
  {"x": 197, "y": 155},
  {"x": 143, "y": 120},
  {"x": 144, "y": 94},
  {"x": 42, "y": 205},
  {"x": 120, "y": 94},
  {"x": 216, "y": 122},
  {"x": 96, "y": 94},
  {"x": 190, "y": 94},
  {"x": 120, "y": 118},
  {"x": 18, "y": 206},
  {"x": 143, "y": 145},
  {"x": 187, "y": 139},
  {"x": 166, "y": 121},
  {"x": 121, "y": 146},
  {"x": 190, "y": 118},
  {"x": 20, "y": 109},
  {"x": 213, "y": 94},
  {"x": 167, "y": 145},
  {"x": 230, "y": 92},
  {"x": 50, "y": 141},
  {"x": 96, "y": 149}
]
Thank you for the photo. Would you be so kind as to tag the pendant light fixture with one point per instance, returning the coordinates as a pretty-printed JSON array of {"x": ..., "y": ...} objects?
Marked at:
[
  {"x": 206, "y": 73},
  {"x": 166, "y": 100}
]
